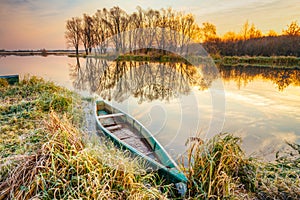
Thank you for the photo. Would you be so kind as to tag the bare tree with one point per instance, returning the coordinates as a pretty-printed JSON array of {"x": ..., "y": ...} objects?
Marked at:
[
  {"x": 244, "y": 31},
  {"x": 87, "y": 34},
  {"x": 100, "y": 31},
  {"x": 117, "y": 23},
  {"x": 73, "y": 32},
  {"x": 187, "y": 29}
]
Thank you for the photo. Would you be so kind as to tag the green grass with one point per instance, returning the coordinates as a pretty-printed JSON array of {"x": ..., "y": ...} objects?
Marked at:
[
  {"x": 23, "y": 107},
  {"x": 258, "y": 61}
]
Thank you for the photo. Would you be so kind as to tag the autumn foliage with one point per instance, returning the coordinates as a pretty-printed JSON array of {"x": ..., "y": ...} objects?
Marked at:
[{"x": 169, "y": 29}]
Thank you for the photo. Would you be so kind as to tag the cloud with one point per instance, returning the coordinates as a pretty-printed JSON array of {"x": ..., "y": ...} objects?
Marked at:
[
  {"x": 36, "y": 8},
  {"x": 34, "y": 24},
  {"x": 35, "y": 15}
]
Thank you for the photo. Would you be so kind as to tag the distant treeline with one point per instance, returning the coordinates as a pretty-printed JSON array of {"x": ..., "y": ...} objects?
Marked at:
[
  {"x": 170, "y": 30},
  {"x": 283, "y": 45}
]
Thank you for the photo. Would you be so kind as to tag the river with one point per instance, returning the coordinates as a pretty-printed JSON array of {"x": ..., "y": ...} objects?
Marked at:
[{"x": 176, "y": 101}]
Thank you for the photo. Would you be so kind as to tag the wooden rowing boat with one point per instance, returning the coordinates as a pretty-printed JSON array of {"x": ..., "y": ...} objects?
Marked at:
[{"x": 128, "y": 133}]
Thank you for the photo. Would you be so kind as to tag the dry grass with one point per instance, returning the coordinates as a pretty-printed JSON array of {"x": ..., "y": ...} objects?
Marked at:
[
  {"x": 45, "y": 157},
  {"x": 218, "y": 169},
  {"x": 214, "y": 168},
  {"x": 64, "y": 168}
]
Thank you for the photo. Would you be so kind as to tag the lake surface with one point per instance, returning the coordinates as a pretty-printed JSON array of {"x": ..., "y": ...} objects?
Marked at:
[{"x": 176, "y": 101}]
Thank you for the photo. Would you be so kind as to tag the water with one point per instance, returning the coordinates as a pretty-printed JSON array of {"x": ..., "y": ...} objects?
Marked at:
[{"x": 176, "y": 102}]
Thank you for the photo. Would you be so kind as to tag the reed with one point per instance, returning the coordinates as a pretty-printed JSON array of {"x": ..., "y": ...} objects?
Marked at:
[{"x": 218, "y": 169}]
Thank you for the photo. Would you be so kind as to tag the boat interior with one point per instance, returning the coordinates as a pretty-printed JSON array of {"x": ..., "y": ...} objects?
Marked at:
[{"x": 125, "y": 129}]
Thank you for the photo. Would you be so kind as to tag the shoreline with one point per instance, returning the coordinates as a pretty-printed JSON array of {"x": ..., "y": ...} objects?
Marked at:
[
  {"x": 278, "y": 62},
  {"x": 36, "y": 53}
]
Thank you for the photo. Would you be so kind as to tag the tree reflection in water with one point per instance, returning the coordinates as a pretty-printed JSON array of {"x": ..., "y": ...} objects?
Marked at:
[
  {"x": 243, "y": 75},
  {"x": 146, "y": 81}
]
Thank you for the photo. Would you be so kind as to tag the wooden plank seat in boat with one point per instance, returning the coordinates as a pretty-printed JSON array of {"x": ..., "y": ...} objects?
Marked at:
[
  {"x": 123, "y": 133},
  {"x": 110, "y": 115},
  {"x": 137, "y": 144},
  {"x": 114, "y": 127},
  {"x": 108, "y": 122},
  {"x": 108, "y": 119}
]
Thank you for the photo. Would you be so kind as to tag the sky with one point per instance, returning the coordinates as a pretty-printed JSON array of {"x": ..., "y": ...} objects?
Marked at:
[{"x": 37, "y": 24}]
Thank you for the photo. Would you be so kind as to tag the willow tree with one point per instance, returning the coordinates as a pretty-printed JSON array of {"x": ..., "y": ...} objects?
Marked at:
[{"x": 73, "y": 31}]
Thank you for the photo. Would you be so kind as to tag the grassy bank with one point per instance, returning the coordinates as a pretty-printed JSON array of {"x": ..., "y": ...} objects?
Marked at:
[
  {"x": 260, "y": 61},
  {"x": 290, "y": 62},
  {"x": 218, "y": 169},
  {"x": 45, "y": 155},
  {"x": 270, "y": 62}
]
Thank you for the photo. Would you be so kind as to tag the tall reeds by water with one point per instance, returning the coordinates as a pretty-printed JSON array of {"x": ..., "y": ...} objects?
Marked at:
[{"x": 218, "y": 169}]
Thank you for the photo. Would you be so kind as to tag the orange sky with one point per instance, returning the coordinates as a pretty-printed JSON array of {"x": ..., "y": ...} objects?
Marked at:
[{"x": 31, "y": 24}]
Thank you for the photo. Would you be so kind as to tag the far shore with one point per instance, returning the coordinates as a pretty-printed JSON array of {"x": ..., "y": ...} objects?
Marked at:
[
  {"x": 37, "y": 52},
  {"x": 290, "y": 62}
]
